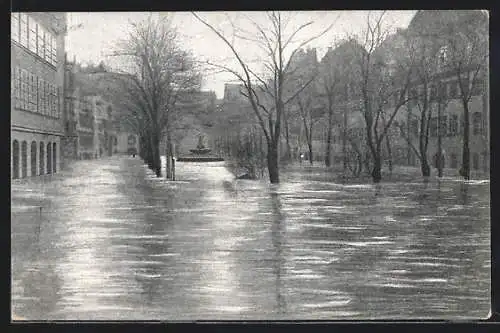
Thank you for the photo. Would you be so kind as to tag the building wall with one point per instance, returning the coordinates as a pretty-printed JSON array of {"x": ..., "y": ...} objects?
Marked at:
[
  {"x": 125, "y": 144},
  {"x": 42, "y": 162},
  {"x": 31, "y": 75},
  {"x": 451, "y": 143}
]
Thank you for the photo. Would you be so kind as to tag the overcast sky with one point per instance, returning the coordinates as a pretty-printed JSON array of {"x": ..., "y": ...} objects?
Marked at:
[{"x": 99, "y": 31}]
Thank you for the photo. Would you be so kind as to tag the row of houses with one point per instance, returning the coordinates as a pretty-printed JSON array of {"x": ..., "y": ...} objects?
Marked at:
[
  {"x": 53, "y": 119},
  {"x": 446, "y": 125}
]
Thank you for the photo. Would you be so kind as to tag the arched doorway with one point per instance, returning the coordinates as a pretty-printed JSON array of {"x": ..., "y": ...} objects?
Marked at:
[
  {"x": 15, "y": 159},
  {"x": 54, "y": 157},
  {"x": 33, "y": 158},
  {"x": 24, "y": 159},
  {"x": 49, "y": 158},
  {"x": 42, "y": 158}
]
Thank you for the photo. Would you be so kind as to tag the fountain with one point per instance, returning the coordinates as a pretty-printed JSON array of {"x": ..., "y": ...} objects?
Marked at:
[
  {"x": 200, "y": 148},
  {"x": 200, "y": 154}
]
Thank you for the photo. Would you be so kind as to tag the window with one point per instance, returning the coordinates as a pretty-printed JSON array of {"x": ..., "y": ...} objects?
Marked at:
[
  {"x": 477, "y": 123},
  {"x": 39, "y": 95},
  {"x": 15, "y": 159},
  {"x": 443, "y": 125},
  {"x": 46, "y": 103},
  {"x": 31, "y": 91},
  {"x": 433, "y": 93},
  {"x": 24, "y": 159},
  {"x": 50, "y": 93},
  {"x": 23, "y": 39},
  {"x": 442, "y": 91},
  {"x": 17, "y": 73},
  {"x": 32, "y": 37},
  {"x": 41, "y": 41},
  {"x": 414, "y": 127},
  {"x": 58, "y": 104},
  {"x": 433, "y": 126},
  {"x": 453, "y": 126},
  {"x": 485, "y": 161},
  {"x": 453, "y": 161},
  {"x": 47, "y": 45},
  {"x": 33, "y": 158},
  {"x": 475, "y": 161},
  {"x": 49, "y": 158},
  {"x": 42, "y": 158},
  {"x": 453, "y": 89},
  {"x": 477, "y": 88},
  {"x": 54, "y": 157},
  {"x": 54, "y": 50},
  {"x": 12, "y": 82},
  {"x": 24, "y": 89},
  {"x": 14, "y": 26}
]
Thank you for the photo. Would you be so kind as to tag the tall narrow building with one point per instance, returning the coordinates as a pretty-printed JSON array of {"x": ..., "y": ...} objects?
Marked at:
[{"x": 37, "y": 60}]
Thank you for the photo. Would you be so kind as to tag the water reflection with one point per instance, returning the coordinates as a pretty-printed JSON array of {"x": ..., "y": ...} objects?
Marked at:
[
  {"x": 278, "y": 235},
  {"x": 118, "y": 243}
]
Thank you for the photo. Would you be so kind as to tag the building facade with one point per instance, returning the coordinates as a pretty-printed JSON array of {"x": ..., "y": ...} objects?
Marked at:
[
  {"x": 37, "y": 60},
  {"x": 445, "y": 105}
]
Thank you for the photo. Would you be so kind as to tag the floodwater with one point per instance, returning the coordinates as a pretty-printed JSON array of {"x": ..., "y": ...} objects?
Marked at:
[{"x": 113, "y": 242}]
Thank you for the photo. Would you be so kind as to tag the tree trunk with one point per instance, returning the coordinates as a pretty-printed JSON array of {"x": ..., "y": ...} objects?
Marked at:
[
  {"x": 389, "y": 153},
  {"x": 439, "y": 144},
  {"x": 309, "y": 145},
  {"x": 272, "y": 162},
  {"x": 156, "y": 160},
  {"x": 377, "y": 169},
  {"x": 168, "y": 155},
  {"x": 328, "y": 149},
  {"x": 424, "y": 166},
  {"x": 465, "y": 170},
  {"x": 344, "y": 142},
  {"x": 288, "y": 149}
]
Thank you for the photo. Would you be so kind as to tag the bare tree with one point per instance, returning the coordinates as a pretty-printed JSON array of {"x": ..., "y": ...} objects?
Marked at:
[
  {"x": 377, "y": 81},
  {"x": 265, "y": 89},
  {"x": 336, "y": 85},
  {"x": 157, "y": 74},
  {"x": 423, "y": 93},
  {"x": 467, "y": 39},
  {"x": 310, "y": 114}
]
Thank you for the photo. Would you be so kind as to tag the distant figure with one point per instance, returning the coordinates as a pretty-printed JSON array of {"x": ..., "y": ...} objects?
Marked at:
[
  {"x": 133, "y": 155},
  {"x": 301, "y": 157}
]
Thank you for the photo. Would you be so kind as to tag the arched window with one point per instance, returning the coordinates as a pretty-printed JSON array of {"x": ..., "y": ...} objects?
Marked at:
[
  {"x": 477, "y": 123},
  {"x": 24, "y": 157},
  {"x": 49, "y": 158},
  {"x": 54, "y": 157},
  {"x": 33, "y": 158},
  {"x": 15, "y": 159},
  {"x": 42, "y": 158}
]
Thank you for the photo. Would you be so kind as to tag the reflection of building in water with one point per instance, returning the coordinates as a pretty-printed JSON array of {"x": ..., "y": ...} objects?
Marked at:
[{"x": 37, "y": 52}]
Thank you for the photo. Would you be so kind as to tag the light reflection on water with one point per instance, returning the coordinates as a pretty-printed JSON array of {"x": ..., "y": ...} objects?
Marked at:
[{"x": 117, "y": 243}]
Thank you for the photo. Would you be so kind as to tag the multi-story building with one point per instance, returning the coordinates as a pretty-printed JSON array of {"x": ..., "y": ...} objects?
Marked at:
[
  {"x": 37, "y": 60},
  {"x": 69, "y": 143},
  {"x": 444, "y": 96},
  {"x": 94, "y": 118}
]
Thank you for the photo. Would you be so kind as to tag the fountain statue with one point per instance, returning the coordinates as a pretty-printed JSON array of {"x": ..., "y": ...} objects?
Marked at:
[
  {"x": 200, "y": 148},
  {"x": 200, "y": 154}
]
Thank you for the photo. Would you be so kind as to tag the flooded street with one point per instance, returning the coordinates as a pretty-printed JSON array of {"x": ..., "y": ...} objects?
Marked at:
[{"x": 113, "y": 242}]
